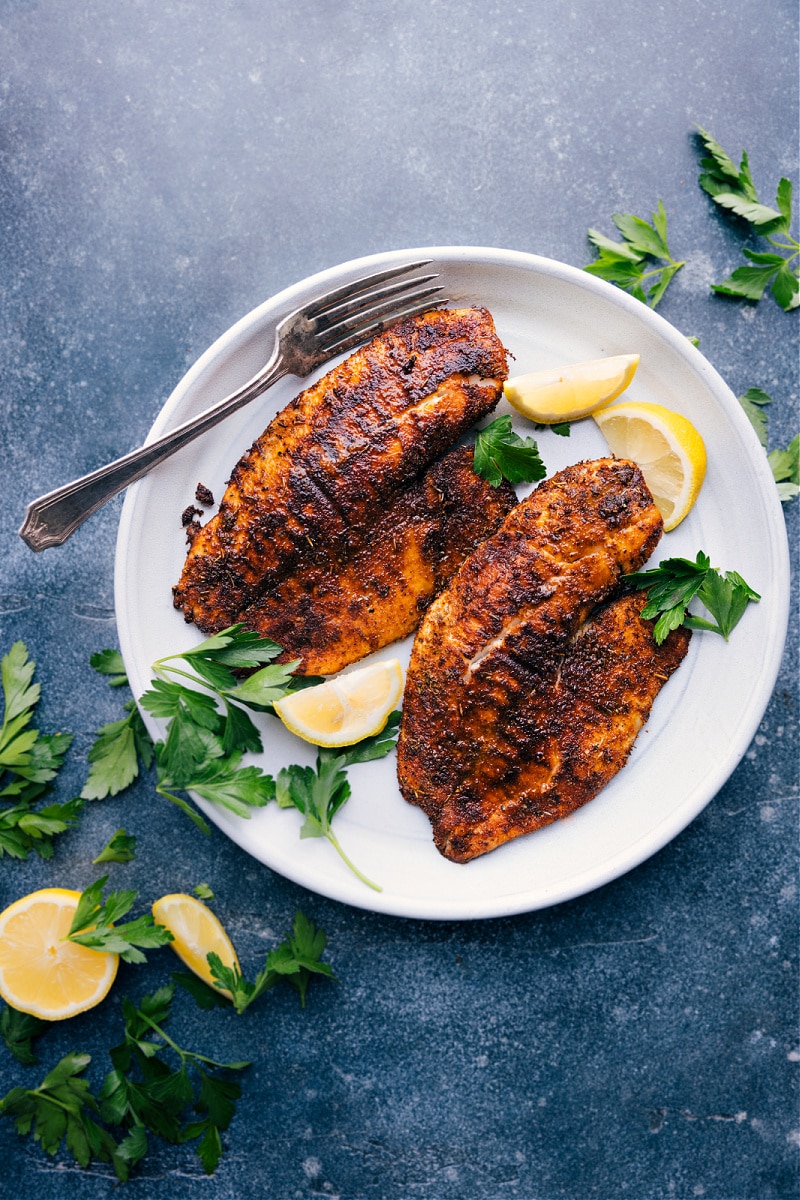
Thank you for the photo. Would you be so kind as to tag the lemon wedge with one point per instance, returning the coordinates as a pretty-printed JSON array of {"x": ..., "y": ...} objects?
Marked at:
[
  {"x": 346, "y": 709},
  {"x": 196, "y": 931},
  {"x": 665, "y": 446},
  {"x": 43, "y": 974},
  {"x": 569, "y": 392}
]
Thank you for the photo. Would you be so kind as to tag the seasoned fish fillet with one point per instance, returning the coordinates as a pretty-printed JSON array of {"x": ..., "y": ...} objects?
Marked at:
[
  {"x": 519, "y": 704},
  {"x": 332, "y": 612},
  {"x": 337, "y": 454}
]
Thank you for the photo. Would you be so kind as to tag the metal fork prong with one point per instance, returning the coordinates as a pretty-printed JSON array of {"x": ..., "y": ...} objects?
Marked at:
[
  {"x": 367, "y": 317},
  {"x": 361, "y": 305},
  {"x": 359, "y": 286},
  {"x": 365, "y": 332}
]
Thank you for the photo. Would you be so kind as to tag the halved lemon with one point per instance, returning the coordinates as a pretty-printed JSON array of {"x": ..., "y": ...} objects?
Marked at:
[
  {"x": 667, "y": 448},
  {"x": 196, "y": 931},
  {"x": 569, "y": 392},
  {"x": 43, "y": 974},
  {"x": 346, "y": 709}
]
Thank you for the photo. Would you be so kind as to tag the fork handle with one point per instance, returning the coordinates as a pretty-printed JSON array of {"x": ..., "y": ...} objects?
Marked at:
[{"x": 51, "y": 519}]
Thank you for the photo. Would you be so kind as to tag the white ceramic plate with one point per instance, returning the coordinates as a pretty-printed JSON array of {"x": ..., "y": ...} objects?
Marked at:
[{"x": 703, "y": 721}]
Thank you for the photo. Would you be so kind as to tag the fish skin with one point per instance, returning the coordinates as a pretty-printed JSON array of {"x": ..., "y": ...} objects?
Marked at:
[
  {"x": 511, "y": 676},
  {"x": 337, "y": 454},
  {"x": 333, "y": 612}
]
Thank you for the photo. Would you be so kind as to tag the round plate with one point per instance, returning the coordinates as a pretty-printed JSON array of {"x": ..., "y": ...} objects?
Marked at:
[{"x": 546, "y": 313}]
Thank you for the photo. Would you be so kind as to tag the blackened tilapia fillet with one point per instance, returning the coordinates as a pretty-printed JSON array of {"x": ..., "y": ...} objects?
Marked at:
[
  {"x": 332, "y": 612},
  {"x": 520, "y": 705},
  {"x": 337, "y": 455}
]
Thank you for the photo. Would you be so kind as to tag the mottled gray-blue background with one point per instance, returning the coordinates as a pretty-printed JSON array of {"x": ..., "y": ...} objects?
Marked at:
[{"x": 164, "y": 167}]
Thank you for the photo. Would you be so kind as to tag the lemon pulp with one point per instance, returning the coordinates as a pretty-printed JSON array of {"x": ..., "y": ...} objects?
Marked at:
[
  {"x": 345, "y": 709},
  {"x": 43, "y": 974},
  {"x": 569, "y": 392},
  {"x": 196, "y": 932}
]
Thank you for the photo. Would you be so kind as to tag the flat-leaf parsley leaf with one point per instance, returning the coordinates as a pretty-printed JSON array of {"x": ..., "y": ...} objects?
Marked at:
[
  {"x": 96, "y": 924},
  {"x": 29, "y": 762},
  {"x": 296, "y": 960},
  {"x": 734, "y": 191},
  {"x": 674, "y": 583},
  {"x": 500, "y": 454},
  {"x": 630, "y": 263}
]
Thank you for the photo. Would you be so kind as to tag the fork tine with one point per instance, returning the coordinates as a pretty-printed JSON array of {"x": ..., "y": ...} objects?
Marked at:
[
  {"x": 369, "y": 314},
  {"x": 363, "y": 303},
  {"x": 360, "y": 285},
  {"x": 414, "y": 305}
]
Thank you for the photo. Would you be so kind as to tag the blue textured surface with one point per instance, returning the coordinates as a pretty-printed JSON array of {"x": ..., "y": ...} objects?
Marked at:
[{"x": 165, "y": 166}]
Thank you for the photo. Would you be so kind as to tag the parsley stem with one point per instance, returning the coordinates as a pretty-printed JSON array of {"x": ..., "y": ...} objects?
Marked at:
[
  {"x": 791, "y": 244},
  {"x": 184, "y": 1055},
  {"x": 49, "y": 1098},
  {"x": 185, "y": 807},
  {"x": 164, "y": 672},
  {"x": 331, "y": 836},
  {"x": 657, "y": 270}
]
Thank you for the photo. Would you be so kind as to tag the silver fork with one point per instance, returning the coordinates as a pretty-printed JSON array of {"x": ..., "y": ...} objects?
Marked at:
[{"x": 306, "y": 338}]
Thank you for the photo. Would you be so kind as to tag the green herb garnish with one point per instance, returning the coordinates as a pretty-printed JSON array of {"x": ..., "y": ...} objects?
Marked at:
[
  {"x": 734, "y": 191},
  {"x": 210, "y": 728},
  {"x": 96, "y": 924},
  {"x": 500, "y": 454},
  {"x": 296, "y": 960},
  {"x": 785, "y": 466},
  {"x": 120, "y": 848},
  {"x": 631, "y": 263},
  {"x": 673, "y": 585},
  {"x": 144, "y": 1094},
  {"x": 29, "y": 762},
  {"x": 19, "y": 1030},
  {"x": 320, "y": 793},
  {"x": 62, "y": 1108}
]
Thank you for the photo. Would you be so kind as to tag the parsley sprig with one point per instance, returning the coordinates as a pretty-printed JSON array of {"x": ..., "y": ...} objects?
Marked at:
[
  {"x": 120, "y": 848},
  {"x": 206, "y": 695},
  {"x": 144, "y": 1094},
  {"x": 96, "y": 926},
  {"x": 120, "y": 746},
  {"x": 29, "y": 762},
  {"x": 500, "y": 454},
  {"x": 641, "y": 263},
  {"x": 296, "y": 960},
  {"x": 19, "y": 1031},
  {"x": 210, "y": 729},
  {"x": 63, "y": 1108},
  {"x": 319, "y": 793},
  {"x": 785, "y": 466},
  {"x": 784, "y": 463},
  {"x": 734, "y": 191},
  {"x": 156, "y": 1086},
  {"x": 676, "y": 582}
]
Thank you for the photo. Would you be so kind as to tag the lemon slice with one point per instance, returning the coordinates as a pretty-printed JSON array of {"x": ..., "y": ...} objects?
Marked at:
[
  {"x": 41, "y": 973},
  {"x": 667, "y": 448},
  {"x": 346, "y": 709},
  {"x": 567, "y": 393},
  {"x": 196, "y": 931}
]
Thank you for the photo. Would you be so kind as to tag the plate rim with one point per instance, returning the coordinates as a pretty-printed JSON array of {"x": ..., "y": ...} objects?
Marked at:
[{"x": 624, "y": 860}]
